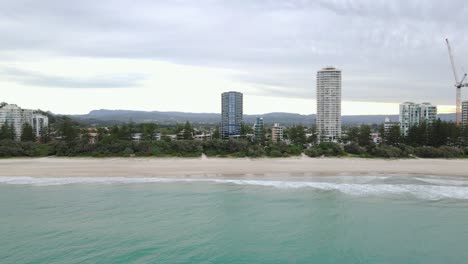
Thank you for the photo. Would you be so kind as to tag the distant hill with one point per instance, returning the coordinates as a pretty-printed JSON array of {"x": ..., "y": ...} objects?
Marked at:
[{"x": 104, "y": 116}]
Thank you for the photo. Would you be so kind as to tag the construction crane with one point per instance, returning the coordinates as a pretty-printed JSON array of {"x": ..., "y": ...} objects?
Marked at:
[{"x": 458, "y": 84}]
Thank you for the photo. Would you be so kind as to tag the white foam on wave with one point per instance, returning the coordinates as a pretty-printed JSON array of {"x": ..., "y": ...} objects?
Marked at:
[
  {"x": 434, "y": 190},
  {"x": 452, "y": 182}
]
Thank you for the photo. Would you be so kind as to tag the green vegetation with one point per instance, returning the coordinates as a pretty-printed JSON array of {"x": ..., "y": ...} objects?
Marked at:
[
  {"x": 27, "y": 134},
  {"x": 11, "y": 148},
  {"x": 72, "y": 139},
  {"x": 7, "y": 132}
]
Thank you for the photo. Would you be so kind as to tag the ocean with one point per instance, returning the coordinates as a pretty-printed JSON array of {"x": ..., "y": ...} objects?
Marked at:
[{"x": 338, "y": 219}]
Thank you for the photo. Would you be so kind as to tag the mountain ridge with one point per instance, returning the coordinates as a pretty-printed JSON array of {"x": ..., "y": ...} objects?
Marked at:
[{"x": 106, "y": 116}]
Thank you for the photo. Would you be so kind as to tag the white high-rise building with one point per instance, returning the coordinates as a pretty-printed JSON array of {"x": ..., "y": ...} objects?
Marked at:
[
  {"x": 409, "y": 116},
  {"x": 328, "y": 119},
  {"x": 39, "y": 123},
  {"x": 412, "y": 114},
  {"x": 13, "y": 115},
  {"x": 465, "y": 113},
  {"x": 428, "y": 112}
]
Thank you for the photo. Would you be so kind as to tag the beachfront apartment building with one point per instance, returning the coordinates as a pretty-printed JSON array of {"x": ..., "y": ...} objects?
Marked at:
[
  {"x": 40, "y": 124},
  {"x": 259, "y": 130},
  {"x": 231, "y": 114},
  {"x": 428, "y": 113},
  {"x": 412, "y": 114},
  {"x": 388, "y": 124},
  {"x": 277, "y": 133},
  {"x": 16, "y": 117},
  {"x": 465, "y": 113},
  {"x": 328, "y": 118}
]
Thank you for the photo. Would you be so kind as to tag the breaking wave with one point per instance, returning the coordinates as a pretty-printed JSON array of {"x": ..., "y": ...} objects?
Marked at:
[{"x": 431, "y": 188}]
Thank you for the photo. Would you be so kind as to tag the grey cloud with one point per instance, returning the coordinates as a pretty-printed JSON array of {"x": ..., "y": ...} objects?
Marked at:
[
  {"x": 386, "y": 49},
  {"x": 33, "y": 78}
]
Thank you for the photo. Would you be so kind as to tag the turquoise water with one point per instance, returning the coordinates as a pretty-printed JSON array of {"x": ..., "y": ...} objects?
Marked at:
[{"x": 316, "y": 220}]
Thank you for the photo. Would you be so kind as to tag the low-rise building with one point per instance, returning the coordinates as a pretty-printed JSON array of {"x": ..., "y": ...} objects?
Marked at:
[
  {"x": 137, "y": 137},
  {"x": 93, "y": 137},
  {"x": 376, "y": 138},
  {"x": 277, "y": 133}
]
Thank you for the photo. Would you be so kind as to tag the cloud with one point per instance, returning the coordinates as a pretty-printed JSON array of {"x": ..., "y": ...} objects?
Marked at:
[
  {"x": 389, "y": 51},
  {"x": 32, "y": 78}
]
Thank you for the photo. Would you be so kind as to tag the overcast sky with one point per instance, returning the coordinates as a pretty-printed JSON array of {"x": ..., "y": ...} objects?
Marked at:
[{"x": 76, "y": 56}]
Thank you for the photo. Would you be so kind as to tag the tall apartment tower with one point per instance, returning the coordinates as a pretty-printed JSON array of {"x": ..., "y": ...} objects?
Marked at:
[
  {"x": 259, "y": 130},
  {"x": 412, "y": 114},
  {"x": 428, "y": 112},
  {"x": 231, "y": 114},
  {"x": 465, "y": 113},
  {"x": 409, "y": 116},
  {"x": 40, "y": 123},
  {"x": 328, "y": 119}
]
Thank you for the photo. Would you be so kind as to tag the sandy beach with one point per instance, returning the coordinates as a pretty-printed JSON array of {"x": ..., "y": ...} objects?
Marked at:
[{"x": 224, "y": 167}]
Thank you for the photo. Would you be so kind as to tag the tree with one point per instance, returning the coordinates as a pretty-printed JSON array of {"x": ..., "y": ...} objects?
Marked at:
[
  {"x": 245, "y": 129},
  {"x": 216, "y": 134},
  {"x": 13, "y": 131},
  {"x": 440, "y": 134},
  {"x": 148, "y": 131},
  {"x": 364, "y": 139},
  {"x": 297, "y": 135},
  {"x": 124, "y": 132},
  {"x": 188, "y": 131},
  {"x": 45, "y": 136},
  {"x": 6, "y": 132},
  {"x": 393, "y": 136},
  {"x": 101, "y": 133},
  {"x": 67, "y": 131},
  {"x": 464, "y": 135},
  {"x": 353, "y": 135},
  {"x": 27, "y": 133}
]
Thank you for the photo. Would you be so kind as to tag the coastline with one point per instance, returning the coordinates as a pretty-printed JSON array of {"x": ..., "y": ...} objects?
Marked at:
[{"x": 268, "y": 168}]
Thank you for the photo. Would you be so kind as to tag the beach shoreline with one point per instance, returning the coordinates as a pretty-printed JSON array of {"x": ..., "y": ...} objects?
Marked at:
[{"x": 270, "y": 168}]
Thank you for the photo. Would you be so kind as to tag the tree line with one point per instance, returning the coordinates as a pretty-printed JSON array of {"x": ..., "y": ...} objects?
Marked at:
[{"x": 70, "y": 138}]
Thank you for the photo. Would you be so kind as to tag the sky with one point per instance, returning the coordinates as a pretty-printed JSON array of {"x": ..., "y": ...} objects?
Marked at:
[{"x": 71, "y": 57}]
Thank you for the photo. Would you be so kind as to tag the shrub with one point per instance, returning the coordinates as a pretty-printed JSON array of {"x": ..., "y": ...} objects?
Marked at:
[
  {"x": 441, "y": 152},
  {"x": 426, "y": 152},
  {"x": 466, "y": 151},
  {"x": 406, "y": 150},
  {"x": 312, "y": 152},
  {"x": 275, "y": 154},
  {"x": 256, "y": 151},
  {"x": 450, "y": 152},
  {"x": 330, "y": 149},
  {"x": 127, "y": 152},
  {"x": 294, "y": 150},
  {"x": 387, "y": 152},
  {"x": 354, "y": 148}
]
